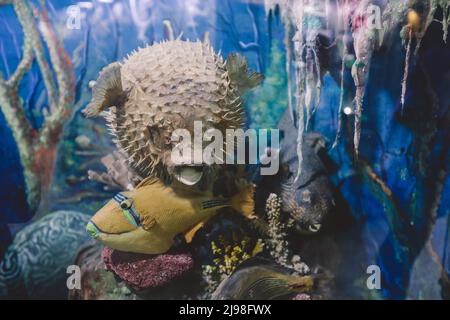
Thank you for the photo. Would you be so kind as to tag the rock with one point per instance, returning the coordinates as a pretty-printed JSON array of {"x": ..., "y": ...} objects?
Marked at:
[
  {"x": 97, "y": 283},
  {"x": 35, "y": 264},
  {"x": 142, "y": 271}
]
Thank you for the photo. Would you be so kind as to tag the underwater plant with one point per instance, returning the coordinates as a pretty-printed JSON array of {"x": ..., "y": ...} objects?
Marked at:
[
  {"x": 277, "y": 237},
  {"x": 377, "y": 97},
  {"x": 38, "y": 146},
  {"x": 227, "y": 257},
  {"x": 309, "y": 19}
]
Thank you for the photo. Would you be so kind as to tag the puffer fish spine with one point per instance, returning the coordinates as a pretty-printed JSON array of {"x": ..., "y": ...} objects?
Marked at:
[{"x": 166, "y": 86}]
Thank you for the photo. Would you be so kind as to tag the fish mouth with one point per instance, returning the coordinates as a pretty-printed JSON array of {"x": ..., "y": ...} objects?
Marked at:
[
  {"x": 138, "y": 240},
  {"x": 189, "y": 175},
  {"x": 95, "y": 232}
]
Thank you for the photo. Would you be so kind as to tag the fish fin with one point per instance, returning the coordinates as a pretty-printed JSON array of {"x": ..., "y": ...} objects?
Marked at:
[
  {"x": 244, "y": 201},
  {"x": 148, "y": 222},
  {"x": 191, "y": 233},
  {"x": 302, "y": 283},
  {"x": 107, "y": 91},
  {"x": 147, "y": 181},
  {"x": 240, "y": 76}
]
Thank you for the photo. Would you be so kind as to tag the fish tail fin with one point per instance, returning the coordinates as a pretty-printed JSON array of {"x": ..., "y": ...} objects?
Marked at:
[{"x": 244, "y": 201}]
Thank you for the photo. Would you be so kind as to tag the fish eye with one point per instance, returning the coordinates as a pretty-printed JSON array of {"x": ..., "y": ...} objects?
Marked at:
[
  {"x": 126, "y": 204},
  {"x": 314, "y": 227}
]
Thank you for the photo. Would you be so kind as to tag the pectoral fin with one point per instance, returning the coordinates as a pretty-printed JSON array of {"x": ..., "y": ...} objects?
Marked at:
[
  {"x": 148, "y": 222},
  {"x": 191, "y": 233},
  {"x": 107, "y": 91}
]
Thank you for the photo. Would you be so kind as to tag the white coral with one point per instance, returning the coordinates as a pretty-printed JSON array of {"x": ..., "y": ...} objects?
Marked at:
[{"x": 277, "y": 233}]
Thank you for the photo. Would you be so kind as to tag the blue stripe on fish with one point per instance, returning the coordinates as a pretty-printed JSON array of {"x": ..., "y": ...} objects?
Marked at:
[
  {"x": 120, "y": 197},
  {"x": 130, "y": 214}
]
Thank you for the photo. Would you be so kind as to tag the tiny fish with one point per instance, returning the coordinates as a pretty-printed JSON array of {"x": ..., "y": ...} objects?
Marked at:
[{"x": 147, "y": 219}]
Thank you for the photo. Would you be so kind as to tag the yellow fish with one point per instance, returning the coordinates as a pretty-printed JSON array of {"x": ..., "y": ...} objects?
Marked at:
[{"x": 147, "y": 219}]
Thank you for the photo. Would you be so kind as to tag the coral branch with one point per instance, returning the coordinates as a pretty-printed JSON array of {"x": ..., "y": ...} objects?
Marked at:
[
  {"x": 65, "y": 81},
  {"x": 37, "y": 148},
  {"x": 118, "y": 174},
  {"x": 24, "y": 64},
  {"x": 14, "y": 113},
  {"x": 28, "y": 24},
  {"x": 277, "y": 237}
]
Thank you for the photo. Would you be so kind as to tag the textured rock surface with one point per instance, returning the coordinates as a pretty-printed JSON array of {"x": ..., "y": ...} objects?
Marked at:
[
  {"x": 142, "y": 271},
  {"x": 97, "y": 283},
  {"x": 35, "y": 264}
]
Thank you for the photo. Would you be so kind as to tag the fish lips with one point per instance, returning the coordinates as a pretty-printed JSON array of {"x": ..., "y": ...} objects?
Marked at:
[
  {"x": 135, "y": 241},
  {"x": 111, "y": 219},
  {"x": 93, "y": 230}
]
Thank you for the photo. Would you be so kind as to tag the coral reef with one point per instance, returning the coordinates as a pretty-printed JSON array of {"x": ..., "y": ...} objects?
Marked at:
[
  {"x": 227, "y": 257},
  {"x": 118, "y": 174},
  {"x": 35, "y": 264},
  {"x": 37, "y": 147},
  {"x": 380, "y": 94},
  {"x": 97, "y": 283},
  {"x": 141, "y": 272},
  {"x": 277, "y": 237},
  {"x": 307, "y": 18}
]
